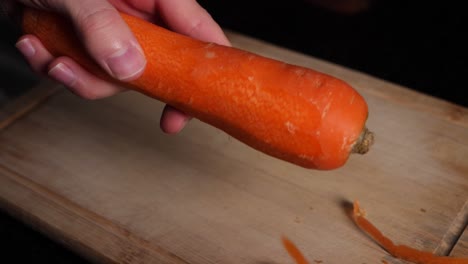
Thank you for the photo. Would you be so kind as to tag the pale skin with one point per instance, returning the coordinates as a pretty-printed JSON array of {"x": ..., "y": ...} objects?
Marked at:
[{"x": 113, "y": 46}]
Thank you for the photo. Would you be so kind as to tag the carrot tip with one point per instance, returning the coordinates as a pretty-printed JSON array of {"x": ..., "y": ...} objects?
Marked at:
[
  {"x": 357, "y": 210},
  {"x": 364, "y": 142}
]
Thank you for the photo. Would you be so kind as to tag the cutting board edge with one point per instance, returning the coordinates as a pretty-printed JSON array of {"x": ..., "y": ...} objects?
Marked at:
[
  {"x": 106, "y": 242},
  {"x": 28, "y": 102}
]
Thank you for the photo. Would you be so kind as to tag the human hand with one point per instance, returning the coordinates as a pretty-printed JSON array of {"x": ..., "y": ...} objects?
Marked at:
[{"x": 112, "y": 45}]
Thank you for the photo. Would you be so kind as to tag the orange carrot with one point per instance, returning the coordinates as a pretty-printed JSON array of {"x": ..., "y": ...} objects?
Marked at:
[
  {"x": 399, "y": 251},
  {"x": 293, "y": 251},
  {"x": 289, "y": 112}
]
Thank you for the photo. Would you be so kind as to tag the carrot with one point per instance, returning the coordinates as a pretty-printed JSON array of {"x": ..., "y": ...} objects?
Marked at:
[
  {"x": 289, "y": 112},
  {"x": 399, "y": 251}
]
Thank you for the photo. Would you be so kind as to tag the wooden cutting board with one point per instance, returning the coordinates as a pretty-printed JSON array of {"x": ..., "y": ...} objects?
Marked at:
[
  {"x": 461, "y": 248},
  {"x": 100, "y": 177}
]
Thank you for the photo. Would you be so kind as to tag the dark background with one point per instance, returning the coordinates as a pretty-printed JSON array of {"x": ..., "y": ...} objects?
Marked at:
[{"x": 418, "y": 44}]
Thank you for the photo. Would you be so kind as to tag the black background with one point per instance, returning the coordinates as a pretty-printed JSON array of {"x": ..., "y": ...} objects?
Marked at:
[{"x": 418, "y": 44}]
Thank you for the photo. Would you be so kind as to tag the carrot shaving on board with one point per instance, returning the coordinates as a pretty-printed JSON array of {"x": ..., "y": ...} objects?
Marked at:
[
  {"x": 399, "y": 251},
  {"x": 293, "y": 251}
]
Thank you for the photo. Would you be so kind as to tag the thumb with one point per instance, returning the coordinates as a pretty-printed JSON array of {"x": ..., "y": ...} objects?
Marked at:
[{"x": 107, "y": 37}]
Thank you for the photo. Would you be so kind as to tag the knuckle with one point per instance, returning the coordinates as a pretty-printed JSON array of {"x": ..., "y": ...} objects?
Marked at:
[
  {"x": 102, "y": 31},
  {"x": 95, "y": 21},
  {"x": 197, "y": 24},
  {"x": 88, "y": 94},
  {"x": 91, "y": 94}
]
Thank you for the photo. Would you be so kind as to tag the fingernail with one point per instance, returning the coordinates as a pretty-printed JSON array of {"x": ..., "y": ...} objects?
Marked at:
[
  {"x": 179, "y": 124},
  {"x": 63, "y": 74},
  {"x": 26, "y": 48},
  {"x": 127, "y": 63},
  {"x": 183, "y": 122}
]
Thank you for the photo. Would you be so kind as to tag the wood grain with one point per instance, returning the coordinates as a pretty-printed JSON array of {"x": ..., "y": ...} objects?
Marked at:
[
  {"x": 70, "y": 223},
  {"x": 102, "y": 178}
]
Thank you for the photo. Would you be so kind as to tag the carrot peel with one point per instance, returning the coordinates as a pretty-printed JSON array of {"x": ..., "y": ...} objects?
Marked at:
[
  {"x": 293, "y": 251},
  {"x": 399, "y": 251}
]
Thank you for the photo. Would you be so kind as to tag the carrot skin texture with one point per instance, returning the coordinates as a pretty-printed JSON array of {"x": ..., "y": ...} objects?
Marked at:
[{"x": 289, "y": 112}]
